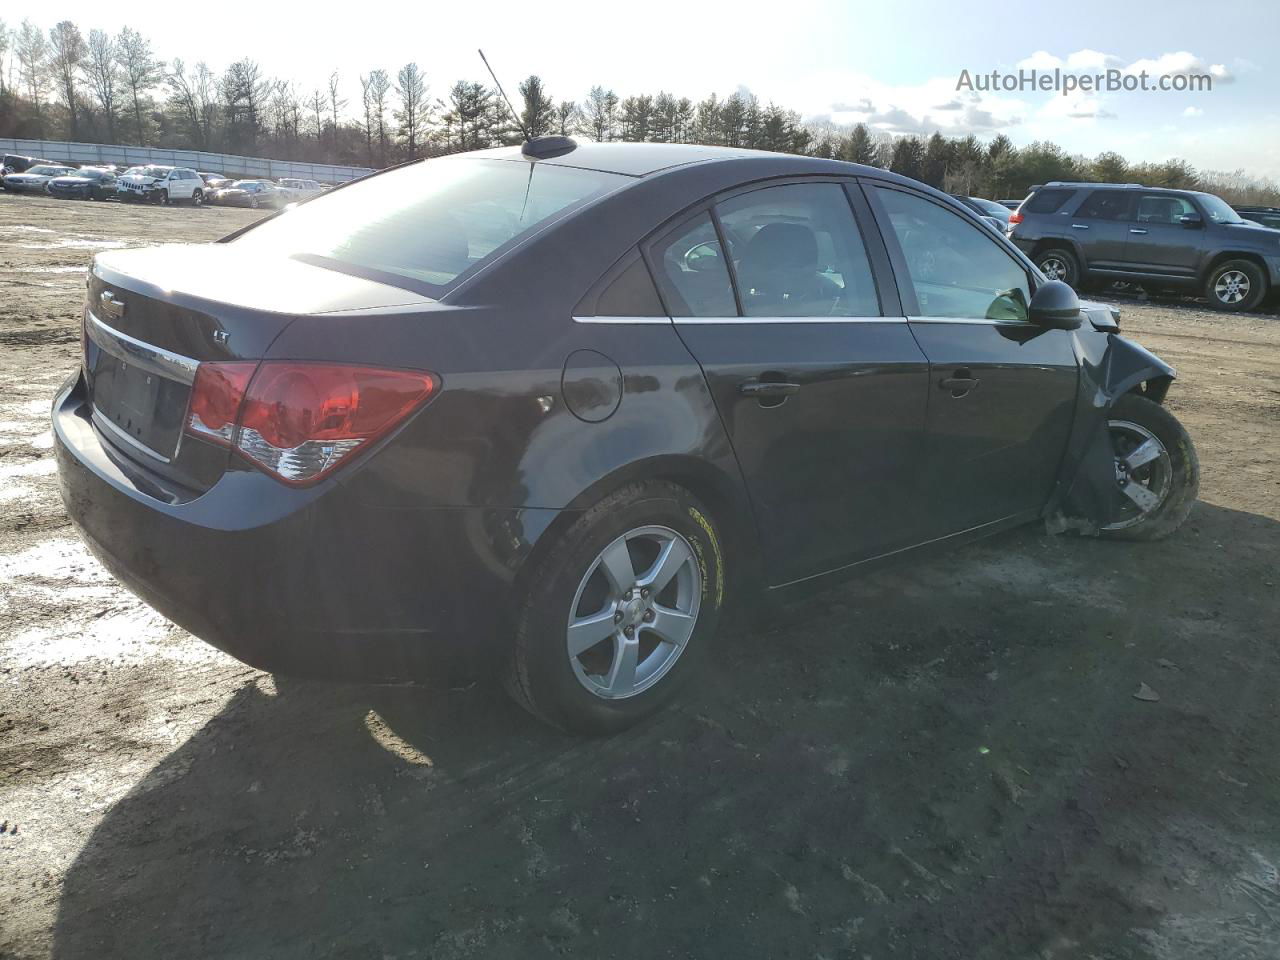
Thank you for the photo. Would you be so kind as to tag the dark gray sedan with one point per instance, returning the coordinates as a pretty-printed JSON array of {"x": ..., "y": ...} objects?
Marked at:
[{"x": 545, "y": 412}]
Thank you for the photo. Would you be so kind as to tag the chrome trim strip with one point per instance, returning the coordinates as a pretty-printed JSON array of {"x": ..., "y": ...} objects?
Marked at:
[
  {"x": 790, "y": 320},
  {"x": 624, "y": 320},
  {"x": 103, "y": 423},
  {"x": 973, "y": 320},
  {"x": 164, "y": 363}
]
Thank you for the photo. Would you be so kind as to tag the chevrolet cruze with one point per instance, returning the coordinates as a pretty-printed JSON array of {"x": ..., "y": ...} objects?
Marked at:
[{"x": 544, "y": 411}]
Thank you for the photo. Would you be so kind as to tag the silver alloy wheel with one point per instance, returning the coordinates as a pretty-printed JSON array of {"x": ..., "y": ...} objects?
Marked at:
[
  {"x": 1053, "y": 267},
  {"x": 1232, "y": 286},
  {"x": 626, "y": 630},
  {"x": 1144, "y": 472}
]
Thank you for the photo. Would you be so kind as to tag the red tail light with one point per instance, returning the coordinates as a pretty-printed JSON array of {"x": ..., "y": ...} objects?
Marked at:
[
  {"x": 1015, "y": 217},
  {"x": 300, "y": 421}
]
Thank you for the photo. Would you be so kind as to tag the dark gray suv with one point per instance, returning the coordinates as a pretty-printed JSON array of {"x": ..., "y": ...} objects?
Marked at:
[{"x": 1094, "y": 233}]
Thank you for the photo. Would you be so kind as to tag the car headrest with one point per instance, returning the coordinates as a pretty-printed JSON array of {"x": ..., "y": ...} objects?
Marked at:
[{"x": 781, "y": 246}]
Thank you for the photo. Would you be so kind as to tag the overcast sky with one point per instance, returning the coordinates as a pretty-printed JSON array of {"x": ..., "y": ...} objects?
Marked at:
[{"x": 893, "y": 65}]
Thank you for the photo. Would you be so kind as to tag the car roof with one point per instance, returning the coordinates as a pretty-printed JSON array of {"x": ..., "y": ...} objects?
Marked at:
[{"x": 643, "y": 159}]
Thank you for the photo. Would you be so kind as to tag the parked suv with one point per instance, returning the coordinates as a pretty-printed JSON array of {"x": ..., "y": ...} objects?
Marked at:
[
  {"x": 1084, "y": 233},
  {"x": 161, "y": 185}
]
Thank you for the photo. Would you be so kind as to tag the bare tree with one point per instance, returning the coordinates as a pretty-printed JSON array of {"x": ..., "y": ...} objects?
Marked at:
[
  {"x": 379, "y": 88},
  {"x": 141, "y": 72},
  {"x": 600, "y": 114},
  {"x": 103, "y": 76},
  {"x": 568, "y": 116},
  {"x": 67, "y": 52},
  {"x": 411, "y": 88},
  {"x": 287, "y": 110},
  {"x": 316, "y": 104},
  {"x": 183, "y": 98},
  {"x": 336, "y": 103},
  {"x": 32, "y": 51},
  {"x": 6, "y": 39}
]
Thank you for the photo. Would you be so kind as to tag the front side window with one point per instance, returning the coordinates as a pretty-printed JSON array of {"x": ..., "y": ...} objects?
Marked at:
[
  {"x": 426, "y": 224},
  {"x": 956, "y": 269},
  {"x": 796, "y": 252},
  {"x": 1105, "y": 205},
  {"x": 1162, "y": 208},
  {"x": 692, "y": 272},
  {"x": 1219, "y": 211}
]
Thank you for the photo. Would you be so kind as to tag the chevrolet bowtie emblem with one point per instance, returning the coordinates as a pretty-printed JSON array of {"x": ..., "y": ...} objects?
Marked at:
[{"x": 111, "y": 306}]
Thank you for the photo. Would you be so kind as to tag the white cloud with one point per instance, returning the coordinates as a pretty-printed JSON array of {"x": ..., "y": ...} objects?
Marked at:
[
  {"x": 1193, "y": 112},
  {"x": 1182, "y": 63},
  {"x": 934, "y": 105}
]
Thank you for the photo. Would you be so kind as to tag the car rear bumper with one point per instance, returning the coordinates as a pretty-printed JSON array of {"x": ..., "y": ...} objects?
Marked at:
[{"x": 311, "y": 582}]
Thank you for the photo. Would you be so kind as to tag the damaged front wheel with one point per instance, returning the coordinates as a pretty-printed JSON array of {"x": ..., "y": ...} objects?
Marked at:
[{"x": 1157, "y": 472}]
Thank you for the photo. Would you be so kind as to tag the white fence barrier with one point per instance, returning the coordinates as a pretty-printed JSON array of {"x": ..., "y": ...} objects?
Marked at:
[{"x": 227, "y": 164}]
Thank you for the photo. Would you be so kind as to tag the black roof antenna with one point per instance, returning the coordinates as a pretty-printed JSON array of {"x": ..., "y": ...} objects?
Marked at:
[{"x": 535, "y": 148}]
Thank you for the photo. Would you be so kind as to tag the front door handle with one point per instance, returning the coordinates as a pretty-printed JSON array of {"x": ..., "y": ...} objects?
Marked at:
[
  {"x": 1133, "y": 230},
  {"x": 767, "y": 388},
  {"x": 960, "y": 384},
  {"x": 1079, "y": 226}
]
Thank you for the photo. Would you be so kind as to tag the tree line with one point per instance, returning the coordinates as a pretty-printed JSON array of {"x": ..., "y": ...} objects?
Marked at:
[{"x": 65, "y": 84}]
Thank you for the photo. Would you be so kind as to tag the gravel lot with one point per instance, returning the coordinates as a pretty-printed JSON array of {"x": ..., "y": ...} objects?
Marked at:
[{"x": 944, "y": 760}]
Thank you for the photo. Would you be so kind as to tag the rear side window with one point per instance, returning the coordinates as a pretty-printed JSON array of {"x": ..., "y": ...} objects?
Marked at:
[
  {"x": 627, "y": 290},
  {"x": 1045, "y": 201},
  {"x": 425, "y": 225},
  {"x": 1105, "y": 205},
  {"x": 692, "y": 272},
  {"x": 797, "y": 252}
]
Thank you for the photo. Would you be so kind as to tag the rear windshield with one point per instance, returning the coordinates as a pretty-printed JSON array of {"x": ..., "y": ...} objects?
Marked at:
[
  {"x": 424, "y": 225},
  {"x": 1045, "y": 201}
]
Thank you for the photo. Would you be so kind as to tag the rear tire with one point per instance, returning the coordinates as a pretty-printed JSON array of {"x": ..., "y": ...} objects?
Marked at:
[
  {"x": 1158, "y": 493},
  {"x": 1235, "y": 285},
  {"x": 1058, "y": 263},
  {"x": 565, "y": 677},
  {"x": 197, "y": 198}
]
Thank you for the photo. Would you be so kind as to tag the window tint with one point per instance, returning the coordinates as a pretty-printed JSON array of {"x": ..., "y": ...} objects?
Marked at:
[
  {"x": 796, "y": 252},
  {"x": 429, "y": 222},
  {"x": 1105, "y": 205},
  {"x": 957, "y": 269},
  {"x": 692, "y": 272},
  {"x": 625, "y": 291},
  {"x": 1162, "y": 208},
  {"x": 1045, "y": 201}
]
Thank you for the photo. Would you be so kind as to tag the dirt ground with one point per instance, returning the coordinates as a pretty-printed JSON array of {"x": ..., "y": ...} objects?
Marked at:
[{"x": 940, "y": 761}]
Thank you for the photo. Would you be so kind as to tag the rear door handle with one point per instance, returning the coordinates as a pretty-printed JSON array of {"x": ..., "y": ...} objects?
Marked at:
[
  {"x": 960, "y": 384},
  {"x": 767, "y": 388},
  {"x": 1079, "y": 226},
  {"x": 1132, "y": 230}
]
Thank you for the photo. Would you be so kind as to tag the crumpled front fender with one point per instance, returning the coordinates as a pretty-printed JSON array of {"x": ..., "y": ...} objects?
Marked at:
[{"x": 1086, "y": 495}]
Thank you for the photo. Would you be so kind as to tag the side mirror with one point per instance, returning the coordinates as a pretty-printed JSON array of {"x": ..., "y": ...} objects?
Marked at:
[
  {"x": 993, "y": 223},
  {"x": 1055, "y": 306},
  {"x": 1191, "y": 220}
]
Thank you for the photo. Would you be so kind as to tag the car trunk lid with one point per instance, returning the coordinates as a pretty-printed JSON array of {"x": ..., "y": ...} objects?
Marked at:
[{"x": 152, "y": 316}]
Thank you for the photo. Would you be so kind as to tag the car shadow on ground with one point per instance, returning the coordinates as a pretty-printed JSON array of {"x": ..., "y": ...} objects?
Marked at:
[{"x": 943, "y": 760}]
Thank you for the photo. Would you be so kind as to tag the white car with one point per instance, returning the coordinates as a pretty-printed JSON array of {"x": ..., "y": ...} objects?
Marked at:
[
  {"x": 295, "y": 190},
  {"x": 161, "y": 185}
]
